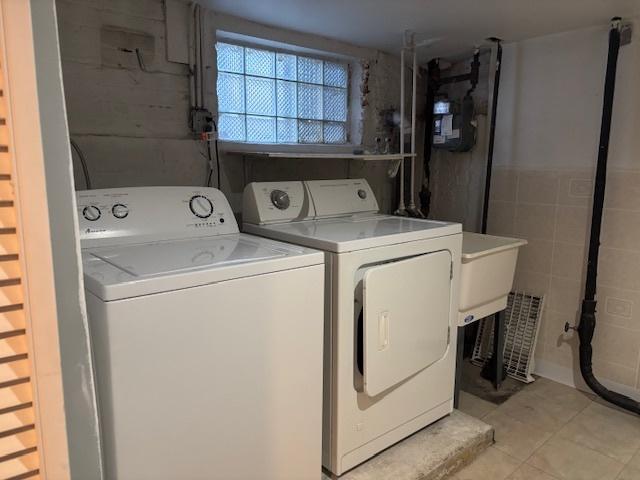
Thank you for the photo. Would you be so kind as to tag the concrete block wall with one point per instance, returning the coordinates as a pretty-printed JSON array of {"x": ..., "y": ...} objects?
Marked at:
[{"x": 133, "y": 125}]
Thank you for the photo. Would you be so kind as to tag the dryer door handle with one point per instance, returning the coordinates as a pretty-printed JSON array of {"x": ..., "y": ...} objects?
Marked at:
[{"x": 383, "y": 331}]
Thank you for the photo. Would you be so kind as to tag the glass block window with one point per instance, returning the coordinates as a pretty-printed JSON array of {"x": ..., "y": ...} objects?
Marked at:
[{"x": 273, "y": 97}]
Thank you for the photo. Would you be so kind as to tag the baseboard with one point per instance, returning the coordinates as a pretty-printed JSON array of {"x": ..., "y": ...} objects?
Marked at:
[{"x": 572, "y": 378}]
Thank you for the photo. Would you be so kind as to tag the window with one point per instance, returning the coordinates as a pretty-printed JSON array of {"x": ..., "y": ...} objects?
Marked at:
[{"x": 272, "y": 97}]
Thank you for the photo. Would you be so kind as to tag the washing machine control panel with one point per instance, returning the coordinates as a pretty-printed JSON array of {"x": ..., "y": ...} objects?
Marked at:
[{"x": 129, "y": 215}]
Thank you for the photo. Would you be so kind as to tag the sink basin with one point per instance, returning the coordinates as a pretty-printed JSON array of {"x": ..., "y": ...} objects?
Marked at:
[{"x": 486, "y": 278}]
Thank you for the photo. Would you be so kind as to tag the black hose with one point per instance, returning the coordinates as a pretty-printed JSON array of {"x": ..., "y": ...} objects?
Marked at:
[
  {"x": 492, "y": 137},
  {"x": 587, "y": 325},
  {"x": 83, "y": 163}
]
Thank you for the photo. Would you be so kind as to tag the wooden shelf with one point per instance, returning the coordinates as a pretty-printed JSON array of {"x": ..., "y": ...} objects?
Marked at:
[{"x": 344, "y": 156}]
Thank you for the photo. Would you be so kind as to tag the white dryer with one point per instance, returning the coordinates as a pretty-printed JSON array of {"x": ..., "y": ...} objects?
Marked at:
[
  {"x": 391, "y": 315},
  {"x": 207, "y": 343}
]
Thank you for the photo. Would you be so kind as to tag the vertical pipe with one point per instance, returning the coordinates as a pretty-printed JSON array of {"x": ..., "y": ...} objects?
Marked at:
[
  {"x": 401, "y": 206},
  {"x": 586, "y": 327},
  {"x": 492, "y": 137},
  {"x": 192, "y": 54},
  {"x": 412, "y": 204},
  {"x": 200, "y": 58},
  {"x": 425, "y": 194}
]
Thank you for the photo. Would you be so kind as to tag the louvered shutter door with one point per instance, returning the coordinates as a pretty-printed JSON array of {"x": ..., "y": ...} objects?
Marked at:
[{"x": 18, "y": 438}]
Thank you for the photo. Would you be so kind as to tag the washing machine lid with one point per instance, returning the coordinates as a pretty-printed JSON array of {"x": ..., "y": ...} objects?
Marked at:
[
  {"x": 356, "y": 232},
  {"x": 125, "y": 271}
]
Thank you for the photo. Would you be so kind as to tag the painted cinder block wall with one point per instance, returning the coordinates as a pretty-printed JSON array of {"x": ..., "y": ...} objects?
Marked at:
[{"x": 132, "y": 125}]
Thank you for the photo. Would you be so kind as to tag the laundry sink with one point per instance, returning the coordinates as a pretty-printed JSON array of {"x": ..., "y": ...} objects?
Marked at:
[{"x": 488, "y": 267}]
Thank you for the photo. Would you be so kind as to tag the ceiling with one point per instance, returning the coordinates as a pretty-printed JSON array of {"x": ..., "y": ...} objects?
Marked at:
[{"x": 449, "y": 27}]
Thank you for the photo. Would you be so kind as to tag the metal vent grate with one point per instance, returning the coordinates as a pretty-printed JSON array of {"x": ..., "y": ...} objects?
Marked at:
[{"x": 522, "y": 317}]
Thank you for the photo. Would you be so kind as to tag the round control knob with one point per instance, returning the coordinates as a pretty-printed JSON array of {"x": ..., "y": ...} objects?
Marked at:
[
  {"x": 362, "y": 193},
  {"x": 91, "y": 213},
  {"x": 120, "y": 210},
  {"x": 201, "y": 206},
  {"x": 280, "y": 199}
]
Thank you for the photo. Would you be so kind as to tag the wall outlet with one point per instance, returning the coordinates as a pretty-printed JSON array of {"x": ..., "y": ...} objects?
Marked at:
[
  {"x": 580, "y": 188},
  {"x": 618, "y": 307}
]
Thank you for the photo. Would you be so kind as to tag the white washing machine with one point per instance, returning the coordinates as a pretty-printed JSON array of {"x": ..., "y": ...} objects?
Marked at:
[
  {"x": 207, "y": 342},
  {"x": 391, "y": 315}
]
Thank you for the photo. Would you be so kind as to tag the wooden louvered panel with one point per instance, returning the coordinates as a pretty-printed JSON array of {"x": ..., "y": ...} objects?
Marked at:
[
  {"x": 14, "y": 320},
  {"x": 14, "y": 370},
  {"x": 6, "y": 194},
  {"x": 9, "y": 269},
  {"x": 18, "y": 442},
  {"x": 5, "y": 161},
  {"x": 11, "y": 298},
  {"x": 15, "y": 396},
  {"x": 7, "y": 217},
  {"x": 18, "y": 437},
  {"x": 17, "y": 468},
  {"x": 8, "y": 244},
  {"x": 12, "y": 346},
  {"x": 19, "y": 420}
]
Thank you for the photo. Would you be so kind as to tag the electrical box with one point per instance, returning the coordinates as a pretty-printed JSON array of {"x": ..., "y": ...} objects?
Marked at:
[
  {"x": 453, "y": 125},
  {"x": 201, "y": 121}
]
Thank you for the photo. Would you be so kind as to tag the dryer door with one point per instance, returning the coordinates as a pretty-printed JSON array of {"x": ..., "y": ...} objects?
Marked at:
[{"x": 406, "y": 318}]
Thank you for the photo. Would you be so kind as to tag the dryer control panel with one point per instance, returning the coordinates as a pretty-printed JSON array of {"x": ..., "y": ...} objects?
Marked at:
[
  {"x": 276, "y": 202},
  {"x": 335, "y": 198},
  {"x": 142, "y": 214}
]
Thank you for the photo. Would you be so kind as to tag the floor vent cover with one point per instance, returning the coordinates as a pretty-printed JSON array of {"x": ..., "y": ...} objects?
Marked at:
[{"x": 523, "y": 316}]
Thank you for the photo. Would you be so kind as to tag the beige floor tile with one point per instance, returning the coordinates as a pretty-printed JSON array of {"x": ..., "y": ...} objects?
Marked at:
[
  {"x": 603, "y": 402},
  {"x": 541, "y": 411},
  {"x": 570, "y": 461},
  {"x": 514, "y": 437},
  {"x": 629, "y": 473},
  {"x": 561, "y": 393},
  {"x": 475, "y": 406},
  {"x": 606, "y": 430},
  {"x": 527, "y": 472},
  {"x": 492, "y": 464},
  {"x": 635, "y": 461}
]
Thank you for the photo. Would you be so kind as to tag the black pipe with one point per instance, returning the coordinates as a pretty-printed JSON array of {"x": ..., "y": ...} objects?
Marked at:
[
  {"x": 587, "y": 325},
  {"x": 492, "y": 136},
  {"x": 433, "y": 83},
  {"x": 474, "y": 75}
]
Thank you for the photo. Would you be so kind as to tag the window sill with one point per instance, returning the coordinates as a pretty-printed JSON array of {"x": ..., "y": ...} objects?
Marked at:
[
  {"x": 343, "y": 152},
  {"x": 286, "y": 148}
]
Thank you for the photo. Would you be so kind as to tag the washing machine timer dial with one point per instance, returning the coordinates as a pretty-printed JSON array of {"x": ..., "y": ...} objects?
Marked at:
[
  {"x": 201, "y": 206},
  {"x": 91, "y": 213},
  {"x": 280, "y": 199},
  {"x": 120, "y": 210}
]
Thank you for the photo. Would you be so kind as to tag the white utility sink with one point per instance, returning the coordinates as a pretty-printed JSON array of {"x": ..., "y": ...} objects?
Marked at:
[{"x": 488, "y": 267}]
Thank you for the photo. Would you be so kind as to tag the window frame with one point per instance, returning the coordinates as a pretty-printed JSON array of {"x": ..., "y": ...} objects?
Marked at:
[{"x": 288, "y": 49}]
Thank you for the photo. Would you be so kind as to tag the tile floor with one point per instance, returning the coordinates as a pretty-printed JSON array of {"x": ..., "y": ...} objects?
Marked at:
[{"x": 549, "y": 431}]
